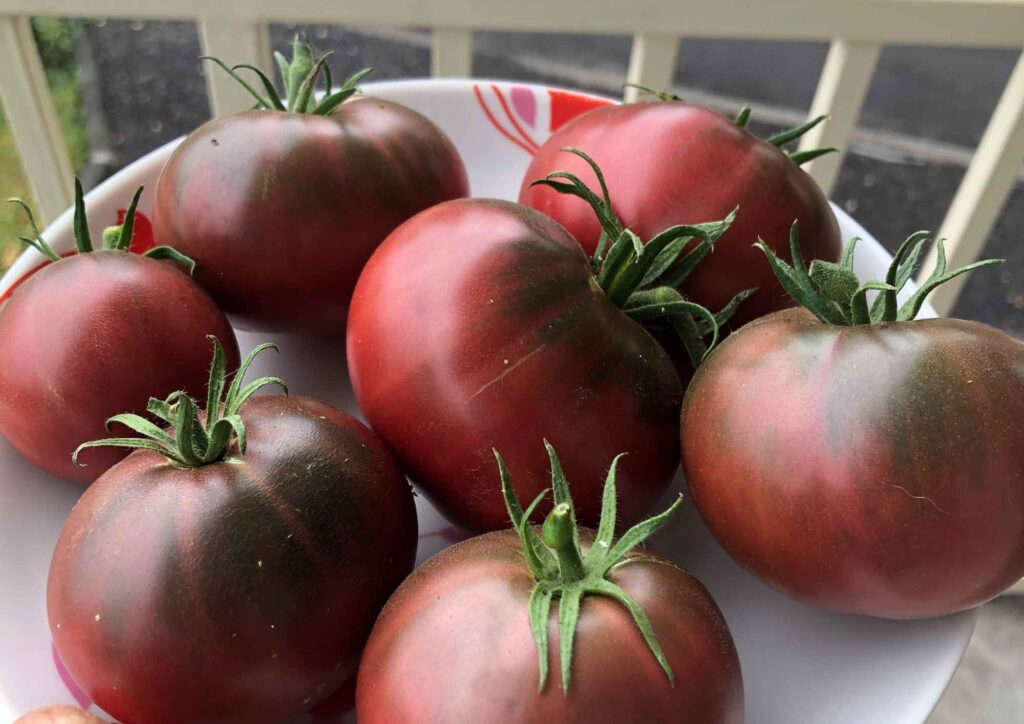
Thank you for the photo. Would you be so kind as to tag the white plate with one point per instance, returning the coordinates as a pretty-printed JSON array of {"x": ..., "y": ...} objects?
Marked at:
[{"x": 799, "y": 664}]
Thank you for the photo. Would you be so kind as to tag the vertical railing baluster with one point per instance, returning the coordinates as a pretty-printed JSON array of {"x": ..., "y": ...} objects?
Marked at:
[
  {"x": 28, "y": 106},
  {"x": 984, "y": 190},
  {"x": 233, "y": 42},
  {"x": 451, "y": 53},
  {"x": 843, "y": 84},
  {"x": 652, "y": 63}
]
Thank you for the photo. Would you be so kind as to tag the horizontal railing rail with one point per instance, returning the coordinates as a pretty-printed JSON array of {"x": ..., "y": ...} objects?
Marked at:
[{"x": 856, "y": 29}]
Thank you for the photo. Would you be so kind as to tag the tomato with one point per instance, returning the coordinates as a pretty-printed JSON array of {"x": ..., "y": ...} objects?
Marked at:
[
  {"x": 859, "y": 460},
  {"x": 239, "y": 581},
  {"x": 58, "y": 714},
  {"x": 673, "y": 162},
  {"x": 466, "y": 636},
  {"x": 480, "y": 323},
  {"x": 281, "y": 208},
  {"x": 94, "y": 334}
]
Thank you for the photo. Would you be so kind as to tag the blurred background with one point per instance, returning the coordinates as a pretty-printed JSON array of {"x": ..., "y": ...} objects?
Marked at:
[{"x": 122, "y": 88}]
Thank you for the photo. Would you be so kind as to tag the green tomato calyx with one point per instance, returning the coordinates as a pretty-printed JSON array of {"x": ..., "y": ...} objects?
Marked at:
[
  {"x": 188, "y": 441},
  {"x": 643, "y": 279},
  {"x": 115, "y": 238},
  {"x": 561, "y": 570},
  {"x": 835, "y": 295},
  {"x": 300, "y": 76}
]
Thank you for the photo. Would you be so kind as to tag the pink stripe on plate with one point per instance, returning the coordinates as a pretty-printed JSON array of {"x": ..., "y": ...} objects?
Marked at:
[
  {"x": 525, "y": 104},
  {"x": 73, "y": 688}
]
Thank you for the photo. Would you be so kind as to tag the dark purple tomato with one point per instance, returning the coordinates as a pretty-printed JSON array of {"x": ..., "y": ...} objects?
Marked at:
[
  {"x": 454, "y": 644},
  {"x": 479, "y": 324},
  {"x": 282, "y": 210},
  {"x": 625, "y": 636},
  {"x": 673, "y": 162},
  {"x": 58, "y": 714},
  {"x": 875, "y": 467},
  {"x": 95, "y": 334},
  {"x": 240, "y": 590}
]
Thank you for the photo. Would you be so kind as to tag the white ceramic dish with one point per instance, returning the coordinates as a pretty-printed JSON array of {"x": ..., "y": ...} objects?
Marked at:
[{"x": 799, "y": 664}]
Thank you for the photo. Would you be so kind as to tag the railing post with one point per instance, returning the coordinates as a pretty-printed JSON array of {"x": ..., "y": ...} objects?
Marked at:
[
  {"x": 842, "y": 86},
  {"x": 233, "y": 42},
  {"x": 29, "y": 109},
  {"x": 451, "y": 53},
  {"x": 652, "y": 63},
  {"x": 982, "y": 193}
]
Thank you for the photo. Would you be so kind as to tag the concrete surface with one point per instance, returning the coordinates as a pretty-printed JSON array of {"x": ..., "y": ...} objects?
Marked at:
[{"x": 925, "y": 111}]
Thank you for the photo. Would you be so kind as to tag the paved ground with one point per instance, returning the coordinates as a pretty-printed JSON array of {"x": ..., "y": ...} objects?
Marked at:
[{"x": 925, "y": 110}]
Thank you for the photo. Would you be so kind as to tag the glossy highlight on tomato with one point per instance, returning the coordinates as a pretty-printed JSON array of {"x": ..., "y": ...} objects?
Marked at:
[
  {"x": 479, "y": 324},
  {"x": 673, "y": 162}
]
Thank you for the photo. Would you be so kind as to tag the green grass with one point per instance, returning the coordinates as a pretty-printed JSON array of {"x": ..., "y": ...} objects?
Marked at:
[{"x": 54, "y": 38}]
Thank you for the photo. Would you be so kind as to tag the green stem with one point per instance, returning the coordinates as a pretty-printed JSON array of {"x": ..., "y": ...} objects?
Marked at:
[
  {"x": 36, "y": 241},
  {"x": 833, "y": 293},
  {"x": 192, "y": 444},
  {"x": 558, "y": 535},
  {"x": 661, "y": 95},
  {"x": 574, "y": 577},
  {"x": 743, "y": 117},
  {"x": 81, "y": 226},
  {"x": 784, "y": 137},
  {"x": 633, "y": 274}
]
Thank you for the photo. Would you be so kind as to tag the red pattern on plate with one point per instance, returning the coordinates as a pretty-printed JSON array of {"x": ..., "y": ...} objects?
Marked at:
[
  {"x": 497, "y": 125},
  {"x": 142, "y": 238},
  {"x": 515, "y": 124},
  {"x": 566, "y": 105}
]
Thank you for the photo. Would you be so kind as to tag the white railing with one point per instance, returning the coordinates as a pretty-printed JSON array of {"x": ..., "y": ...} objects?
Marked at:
[{"x": 857, "y": 30}]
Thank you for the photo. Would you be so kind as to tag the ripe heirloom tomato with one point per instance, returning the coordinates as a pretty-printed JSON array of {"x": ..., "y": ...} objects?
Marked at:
[
  {"x": 281, "y": 207},
  {"x": 672, "y": 162},
  {"x": 480, "y": 323},
  {"x": 94, "y": 334},
  {"x": 58, "y": 714},
  {"x": 466, "y": 637},
  {"x": 859, "y": 460},
  {"x": 232, "y": 568}
]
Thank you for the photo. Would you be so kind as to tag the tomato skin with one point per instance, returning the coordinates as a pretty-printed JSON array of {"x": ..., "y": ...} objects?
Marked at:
[
  {"x": 453, "y": 644},
  {"x": 873, "y": 469},
  {"x": 240, "y": 591},
  {"x": 280, "y": 210},
  {"x": 58, "y": 714},
  {"x": 478, "y": 325},
  {"x": 675, "y": 163},
  {"x": 92, "y": 336}
]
